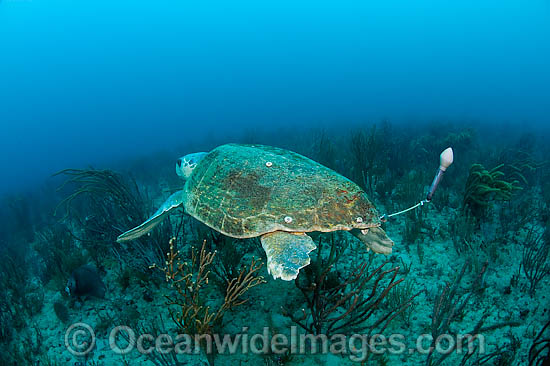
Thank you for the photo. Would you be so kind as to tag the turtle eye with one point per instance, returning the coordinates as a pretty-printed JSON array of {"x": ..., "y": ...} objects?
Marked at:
[{"x": 179, "y": 163}]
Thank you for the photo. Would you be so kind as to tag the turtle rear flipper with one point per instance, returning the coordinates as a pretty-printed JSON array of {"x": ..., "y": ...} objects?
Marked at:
[
  {"x": 375, "y": 238},
  {"x": 173, "y": 202},
  {"x": 286, "y": 253}
]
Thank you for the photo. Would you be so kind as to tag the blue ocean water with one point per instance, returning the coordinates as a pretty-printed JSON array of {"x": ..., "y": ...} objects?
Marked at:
[{"x": 117, "y": 91}]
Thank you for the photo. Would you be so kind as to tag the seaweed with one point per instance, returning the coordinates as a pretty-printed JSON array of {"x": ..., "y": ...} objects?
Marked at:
[
  {"x": 190, "y": 279},
  {"x": 400, "y": 296},
  {"x": 61, "y": 254},
  {"x": 484, "y": 187},
  {"x": 351, "y": 302},
  {"x": 451, "y": 304},
  {"x": 326, "y": 151},
  {"x": 365, "y": 147},
  {"x": 504, "y": 355},
  {"x": 520, "y": 164},
  {"x": 227, "y": 264},
  {"x": 539, "y": 352},
  {"x": 22, "y": 296},
  {"x": 534, "y": 262},
  {"x": 103, "y": 204},
  {"x": 408, "y": 193}
]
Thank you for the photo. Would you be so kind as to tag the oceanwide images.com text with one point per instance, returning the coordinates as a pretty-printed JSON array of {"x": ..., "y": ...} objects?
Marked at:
[{"x": 80, "y": 340}]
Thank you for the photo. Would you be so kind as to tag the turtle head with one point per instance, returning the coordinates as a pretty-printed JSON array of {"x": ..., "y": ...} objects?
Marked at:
[{"x": 186, "y": 164}]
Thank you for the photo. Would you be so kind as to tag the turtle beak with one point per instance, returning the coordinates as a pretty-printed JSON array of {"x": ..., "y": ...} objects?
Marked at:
[{"x": 180, "y": 163}]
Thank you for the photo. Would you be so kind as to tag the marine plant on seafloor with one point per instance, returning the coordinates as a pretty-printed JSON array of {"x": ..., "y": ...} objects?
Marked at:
[
  {"x": 22, "y": 294},
  {"x": 102, "y": 202},
  {"x": 545, "y": 189},
  {"x": 520, "y": 165},
  {"x": 7, "y": 315},
  {"x": 484, "y": 187},
  {"x": 365, "y": 147},
  {"x": 407, "y": 193},
  {"x": 326, "y": 151},
  {"x": 460, "y": 140},
  {"x": 61, "y": 254},
  {"x": 449, "y": 309},
  {"x": 190, "y": 278},
  {"x": 539, "y": 352},
  {"x": 227, "y": 264},
  {"x": 350, "y": 302},
  {"x": 534, "y": 262},
  {"x": 401, "y": 295}
]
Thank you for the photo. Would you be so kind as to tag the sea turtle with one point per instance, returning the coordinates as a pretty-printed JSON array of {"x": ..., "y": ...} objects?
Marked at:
[{"x": 245, "y": 191}]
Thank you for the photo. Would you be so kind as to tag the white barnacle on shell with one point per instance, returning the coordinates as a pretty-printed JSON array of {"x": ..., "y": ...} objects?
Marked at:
[
  {"x": 288, "y": 219},
  {"x": 269, "y": 164}
]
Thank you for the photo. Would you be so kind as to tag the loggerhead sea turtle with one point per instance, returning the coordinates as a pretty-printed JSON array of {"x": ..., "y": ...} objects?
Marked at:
[{"x": 245, "y": 191}]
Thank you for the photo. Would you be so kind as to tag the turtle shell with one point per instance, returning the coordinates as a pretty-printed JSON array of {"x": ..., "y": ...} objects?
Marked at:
[{"x": 245, "y": 191}]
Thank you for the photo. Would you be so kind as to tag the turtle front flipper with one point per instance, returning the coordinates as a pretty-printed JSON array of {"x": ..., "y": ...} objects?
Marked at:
[
  {"x": 286, "y": 253},
  {"x": 173, "y": 202},
  {"x": 375, "y": 238}
]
